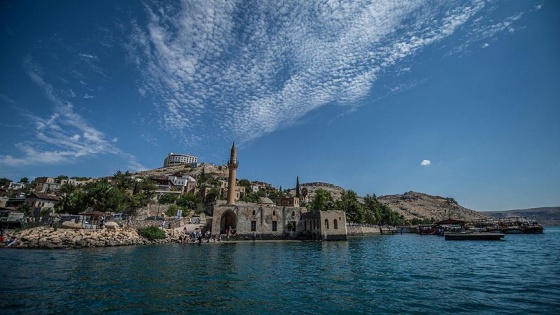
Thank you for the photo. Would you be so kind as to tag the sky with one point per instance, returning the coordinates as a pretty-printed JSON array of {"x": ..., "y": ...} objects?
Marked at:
[{"x": 458, "y": 98}]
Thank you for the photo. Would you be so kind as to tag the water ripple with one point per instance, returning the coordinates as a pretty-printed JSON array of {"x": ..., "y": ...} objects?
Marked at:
[{"x": 399, "y": 274}]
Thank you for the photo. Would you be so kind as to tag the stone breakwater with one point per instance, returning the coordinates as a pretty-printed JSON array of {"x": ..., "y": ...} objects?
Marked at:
[
  {"x": 366, "y": 230},
  {"x": 49, "y": 238}
]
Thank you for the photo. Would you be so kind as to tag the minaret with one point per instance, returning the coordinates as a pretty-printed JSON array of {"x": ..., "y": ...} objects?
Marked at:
[{"x": 232, "y": 165}]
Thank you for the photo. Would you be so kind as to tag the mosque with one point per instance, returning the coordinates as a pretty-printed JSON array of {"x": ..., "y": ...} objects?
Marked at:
[{"x": 269, "y": 220}]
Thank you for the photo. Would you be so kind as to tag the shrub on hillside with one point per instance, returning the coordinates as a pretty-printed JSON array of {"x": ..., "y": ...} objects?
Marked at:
[{"x": 152, "y": 233}]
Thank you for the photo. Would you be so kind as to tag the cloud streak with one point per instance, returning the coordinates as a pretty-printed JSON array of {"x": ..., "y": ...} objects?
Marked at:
[
  {"x": 64, "y": 136},
  {"x": 242, "y": 69}
]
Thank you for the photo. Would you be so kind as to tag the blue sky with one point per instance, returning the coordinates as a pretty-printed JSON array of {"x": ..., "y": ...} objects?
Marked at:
[{"x": 453, "y": 98}]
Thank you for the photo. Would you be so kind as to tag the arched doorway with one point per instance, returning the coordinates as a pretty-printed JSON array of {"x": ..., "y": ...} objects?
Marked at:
[{"x": 228, "y": 220}]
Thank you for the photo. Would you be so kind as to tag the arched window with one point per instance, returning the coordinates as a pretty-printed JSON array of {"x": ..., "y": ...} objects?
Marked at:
[
  {"x": 273, "y": 212},
  {"x": 327, "y": 224},
  {"x": 293, "y": 213},
  {"x": 335, "y": 224},
  {"x": 254, "y": 212}
]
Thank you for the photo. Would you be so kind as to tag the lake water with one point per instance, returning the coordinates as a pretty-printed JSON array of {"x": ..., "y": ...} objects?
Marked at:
[{"x": 399, "y": 274}]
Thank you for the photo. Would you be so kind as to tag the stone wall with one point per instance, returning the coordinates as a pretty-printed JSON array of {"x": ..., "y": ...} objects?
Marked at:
[{"x": 367, "y": 229}]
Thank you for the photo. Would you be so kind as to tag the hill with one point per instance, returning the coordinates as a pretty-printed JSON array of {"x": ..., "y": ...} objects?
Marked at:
[
  {"x": 336, "y": 191},
  {"x": 216, "y": 171},
  {"x": 421, "y": 206},
  {"x": 545, "y": 215},
  {"x": 411, "y": 204}
]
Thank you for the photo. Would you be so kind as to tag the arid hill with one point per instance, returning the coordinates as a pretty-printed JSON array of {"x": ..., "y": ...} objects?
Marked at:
[
  {"x": 545, "y": 216},
  {"x": 335, "y": 191},
  {"x": 216, "y": 171},
  {"x": 411, "y": 204},
  {"x": 418, "y": 205}
]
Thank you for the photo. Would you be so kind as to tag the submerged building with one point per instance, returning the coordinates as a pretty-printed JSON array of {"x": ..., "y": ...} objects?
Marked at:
[
  {"x": 324, "y": 225},
  {"x": 270, "y": 220}
]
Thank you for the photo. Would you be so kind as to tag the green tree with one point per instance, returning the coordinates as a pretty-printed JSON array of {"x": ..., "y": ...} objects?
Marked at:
[
  {"x": 152, "y": 233},
  {"x": 379, "y": 213},
  {"x": 142, "y": 193},
  {"x": 167, "y": 199},
  {"x": 25, "y": 208},
  {"x": 60, "y": 178},
  {"x": 245, "y": 183},
  {"x": 171, "y": 211},
  {"x": 212, "y": 195},
  {"x": 349, "y": 203},
  {"x": 188, "y": 201},
  {"x": 322, "y": 201},
  {"x": 4, "y": 182},
  {"x": 123, "y": 181},
  {"x": 304, "y": 192},
  {"x": 103, "y": 196},
  {"x": 24, "y": 180}
]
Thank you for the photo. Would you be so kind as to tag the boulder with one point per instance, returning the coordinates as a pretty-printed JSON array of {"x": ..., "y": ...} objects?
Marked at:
[
  {"x": 70, "y": 225},
  {"x": 111, "y": 225}
]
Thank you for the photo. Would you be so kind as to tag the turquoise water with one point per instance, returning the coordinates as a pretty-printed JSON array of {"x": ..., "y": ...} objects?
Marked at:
[{"x": 399, "y": 274}]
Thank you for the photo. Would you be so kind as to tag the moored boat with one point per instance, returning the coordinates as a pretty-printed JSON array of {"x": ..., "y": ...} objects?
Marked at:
[
  {"x": 519, "y": 225},
  {"x": 473, "y": 236},
  {"x": 427, "y": 229}
]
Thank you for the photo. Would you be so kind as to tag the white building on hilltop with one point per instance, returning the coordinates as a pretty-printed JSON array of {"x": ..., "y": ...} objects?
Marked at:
[{"x": 178, "y": 159}]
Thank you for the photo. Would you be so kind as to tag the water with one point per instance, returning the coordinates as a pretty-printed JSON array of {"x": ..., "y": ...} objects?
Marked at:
[{"x": 400, "y": 274}]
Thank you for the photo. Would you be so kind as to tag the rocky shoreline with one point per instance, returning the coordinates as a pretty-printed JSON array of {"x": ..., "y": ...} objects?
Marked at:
[{"x": 50, "y": 238}]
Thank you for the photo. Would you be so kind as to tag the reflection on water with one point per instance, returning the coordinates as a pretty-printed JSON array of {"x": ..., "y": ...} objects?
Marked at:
[{"x": 385, "y": 274}]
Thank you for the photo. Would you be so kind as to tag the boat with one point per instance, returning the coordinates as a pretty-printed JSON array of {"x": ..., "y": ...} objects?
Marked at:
[
  {"x": 510, "y": 225},
  {"x": 519, "y": 225},
  {"x": 473, "y": 236},
  {"x": 427, "y": 229}
]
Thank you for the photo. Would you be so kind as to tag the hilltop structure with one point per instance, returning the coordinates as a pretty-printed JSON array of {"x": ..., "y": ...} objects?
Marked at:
[{"x": 178, "y": 159}]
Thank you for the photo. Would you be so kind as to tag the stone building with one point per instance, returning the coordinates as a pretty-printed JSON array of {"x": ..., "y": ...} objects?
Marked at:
[
  {"x": 42, "y": 201},
  {"x": 265, "y": 219},
  {"x": 324, "y": 225},
  {"x": 270, "y": 220},
  {"x": 178, "y": 159}
]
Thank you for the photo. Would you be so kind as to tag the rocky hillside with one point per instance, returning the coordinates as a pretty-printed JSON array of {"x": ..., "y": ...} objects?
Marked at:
[
  {"x": 335, "y": 191},
  {"x": 411, "y": 204},
  {"x": 545, "y": 216},
  {"x": 186, "y": 170},
  {"x": 418, "y": 205}
]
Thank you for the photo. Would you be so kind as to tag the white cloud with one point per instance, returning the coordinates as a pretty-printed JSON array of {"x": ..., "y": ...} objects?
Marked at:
[
  {"x": 64, "y": 136},
  {"x": 88, "y": 56},
  {"x": 425, "y": 163},
  {"x": 6, "y": 99},
  {"x": 246, "y": 74}
]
